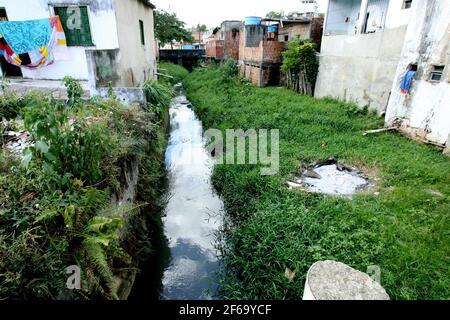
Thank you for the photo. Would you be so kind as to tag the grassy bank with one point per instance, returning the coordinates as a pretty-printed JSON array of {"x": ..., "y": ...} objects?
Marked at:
[
  {"x": 56, "y": 197},
  {"x": 171, "y": 73},
  {"x": 403, "y": 228}
]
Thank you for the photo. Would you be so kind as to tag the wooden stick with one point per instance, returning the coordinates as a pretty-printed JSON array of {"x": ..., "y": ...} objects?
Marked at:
[{"x": 379, "y": 130}]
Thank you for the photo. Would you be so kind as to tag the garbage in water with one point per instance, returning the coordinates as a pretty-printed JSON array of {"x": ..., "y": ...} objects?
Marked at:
[{"x": 331, "y": 178}]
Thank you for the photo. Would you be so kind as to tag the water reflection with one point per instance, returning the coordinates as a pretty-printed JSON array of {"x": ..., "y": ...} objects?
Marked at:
[{"x": 193, "y": 212}]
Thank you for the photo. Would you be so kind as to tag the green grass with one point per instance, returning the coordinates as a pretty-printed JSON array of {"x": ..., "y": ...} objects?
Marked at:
[
  {"x": 178, "y": 73},
  {"x": 404, "y": 229},
  {"x": 56, "y": 210}
]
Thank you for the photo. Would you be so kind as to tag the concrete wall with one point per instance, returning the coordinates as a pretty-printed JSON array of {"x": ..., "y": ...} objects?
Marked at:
[
  {"x": 425, "y": 113},
  {"x": 302, "y": 31},
  {"x": 360, "y": 67},
  {"x": 103, "y": 30},
  {"x": 137, "y": 61},
  {"x": 342, "y": 17}
]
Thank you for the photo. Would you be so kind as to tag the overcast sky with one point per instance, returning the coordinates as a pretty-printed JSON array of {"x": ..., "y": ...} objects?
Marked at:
[{"x": 213, "y": 12}]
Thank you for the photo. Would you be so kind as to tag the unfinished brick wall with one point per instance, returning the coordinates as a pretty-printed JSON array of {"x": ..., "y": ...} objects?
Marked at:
[
  {"x": 317, "y": 31},
  {"x": 266, "y": 56},
  {"x": 214, "y": 49},
  {"x": 232, "y": 42},
  {"x": 272, "y": 51}
]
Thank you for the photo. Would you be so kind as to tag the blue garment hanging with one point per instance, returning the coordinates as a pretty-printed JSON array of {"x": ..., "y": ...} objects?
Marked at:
[
  {"x": 407, "y": 81},
  {"x": 25, "y": 36}
]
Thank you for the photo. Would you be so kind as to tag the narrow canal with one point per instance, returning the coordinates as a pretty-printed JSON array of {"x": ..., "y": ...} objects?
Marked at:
[{"x": 187, "y": 263}]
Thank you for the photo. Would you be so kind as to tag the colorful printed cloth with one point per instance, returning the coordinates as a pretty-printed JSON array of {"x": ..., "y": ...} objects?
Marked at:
[
  {"x": 25, "y": 36},
  {"x": 31, "y": 43}
]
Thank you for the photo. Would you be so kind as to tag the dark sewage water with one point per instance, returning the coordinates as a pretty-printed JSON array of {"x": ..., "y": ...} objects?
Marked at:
[{"x": 185, "y": 263}]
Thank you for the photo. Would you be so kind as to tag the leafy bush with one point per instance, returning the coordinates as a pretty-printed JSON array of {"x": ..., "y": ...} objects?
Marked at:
[
  {"x": 12, "y": 105},
  {"x": 74, "y": 90},
  {"x": 229, "y": 68},
  {"x": 56, "y": 210},
  {"x": 301, "y": 65},
  {"x": 176, "y": 72},
  {"x": 65, "y": 149},
  {"x": 159, "y": 96}
]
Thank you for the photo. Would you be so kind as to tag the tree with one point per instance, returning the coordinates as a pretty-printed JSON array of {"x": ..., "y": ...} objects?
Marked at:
[
  {"x": 169, "y": 28},
  {"x": 201, "y": 28},
  {"x": 301, "y": 65},
  {"x": 275, "y": 15}
]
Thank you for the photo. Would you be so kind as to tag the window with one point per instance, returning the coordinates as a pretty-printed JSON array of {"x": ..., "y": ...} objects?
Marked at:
[
  {"x": 75, "y": 22},
  {"x": 3, "y": 15},
  {"x": 286, "y": 38},
  {"x": 436, "y": 74},
  {"x": 141, "y": 28},
  {"x": 407, "y": 4}
]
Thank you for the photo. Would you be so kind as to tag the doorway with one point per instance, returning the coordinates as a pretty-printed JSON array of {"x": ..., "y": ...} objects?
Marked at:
[{"x": 8, "y": 70}]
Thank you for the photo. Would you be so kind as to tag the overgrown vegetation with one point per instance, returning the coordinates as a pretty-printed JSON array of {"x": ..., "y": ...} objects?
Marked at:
[
  {"x": 55, "y": 200},
  {"x": 403, "y": 228},
  {"x": 301, "y": 66},
  {"x": 159, "y": 95},
  {"x": 171, "y": 73},
  {"x": 169, "y": 28}
]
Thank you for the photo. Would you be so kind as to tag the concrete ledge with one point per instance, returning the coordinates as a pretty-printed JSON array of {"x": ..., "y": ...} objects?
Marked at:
[
  {"x": 127, "y": 96},
  {"x": 56, "y": 88}
]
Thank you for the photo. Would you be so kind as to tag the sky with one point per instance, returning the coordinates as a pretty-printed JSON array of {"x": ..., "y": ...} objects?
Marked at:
[{"x": 213, "y": 12}]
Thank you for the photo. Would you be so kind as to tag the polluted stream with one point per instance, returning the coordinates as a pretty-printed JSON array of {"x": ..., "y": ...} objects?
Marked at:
[{"x": 186, "y": 264}]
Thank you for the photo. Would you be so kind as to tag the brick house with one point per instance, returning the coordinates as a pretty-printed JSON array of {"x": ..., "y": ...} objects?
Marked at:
[{"x": 224, "y": 43}]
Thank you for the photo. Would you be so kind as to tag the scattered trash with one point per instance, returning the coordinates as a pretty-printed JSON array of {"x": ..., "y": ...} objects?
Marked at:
[
  {"x": 17, "y": 141},
  {"x": 379, "y": 130},
  {"x": 312, "y": 174},
  {"x": 290, "y": 274},
  {"x": 435, "y": 193},
  {"x": 330, "y": 177}
]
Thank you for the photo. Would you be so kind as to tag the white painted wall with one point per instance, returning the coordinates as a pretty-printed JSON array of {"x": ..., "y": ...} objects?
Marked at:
[
  {"x": 396, "y": 15},
  {"x": 342, "y": 17},
  {"x": 426, "y": 111},
  {"x": 137, "y": 62},
  {"x": 103, "y": 30},
  {"x": 360, "y": 67}
]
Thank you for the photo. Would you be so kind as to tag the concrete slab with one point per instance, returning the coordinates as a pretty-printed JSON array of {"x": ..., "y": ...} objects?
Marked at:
[
  {"x": 54, "y": 87},
  {"x": 331, "y": 280}
]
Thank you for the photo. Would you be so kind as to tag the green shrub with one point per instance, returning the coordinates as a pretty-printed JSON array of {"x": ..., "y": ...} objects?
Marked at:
[
  {"x": 55, "y": 211},
  {"x": 229, "y": 68},
  {"x": 175, "y": 72},
  {"x": 12, "y": 105},
  {"x": 74, "y": 90},
  {"x": 159, "y": 95},
  {"x": 66, "y": 148}
]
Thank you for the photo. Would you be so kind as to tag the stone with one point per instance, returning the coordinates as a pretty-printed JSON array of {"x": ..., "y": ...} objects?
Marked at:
[
  {"x": 331, "y": 280},
  {"x": 312, "y": 174}
]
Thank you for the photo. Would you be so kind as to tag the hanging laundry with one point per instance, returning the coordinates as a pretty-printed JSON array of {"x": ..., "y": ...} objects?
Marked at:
[
  {"x": 24, "y": 36},
  {"x": 405, "y": 86},
  {"x": 32, "y": 44}
]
